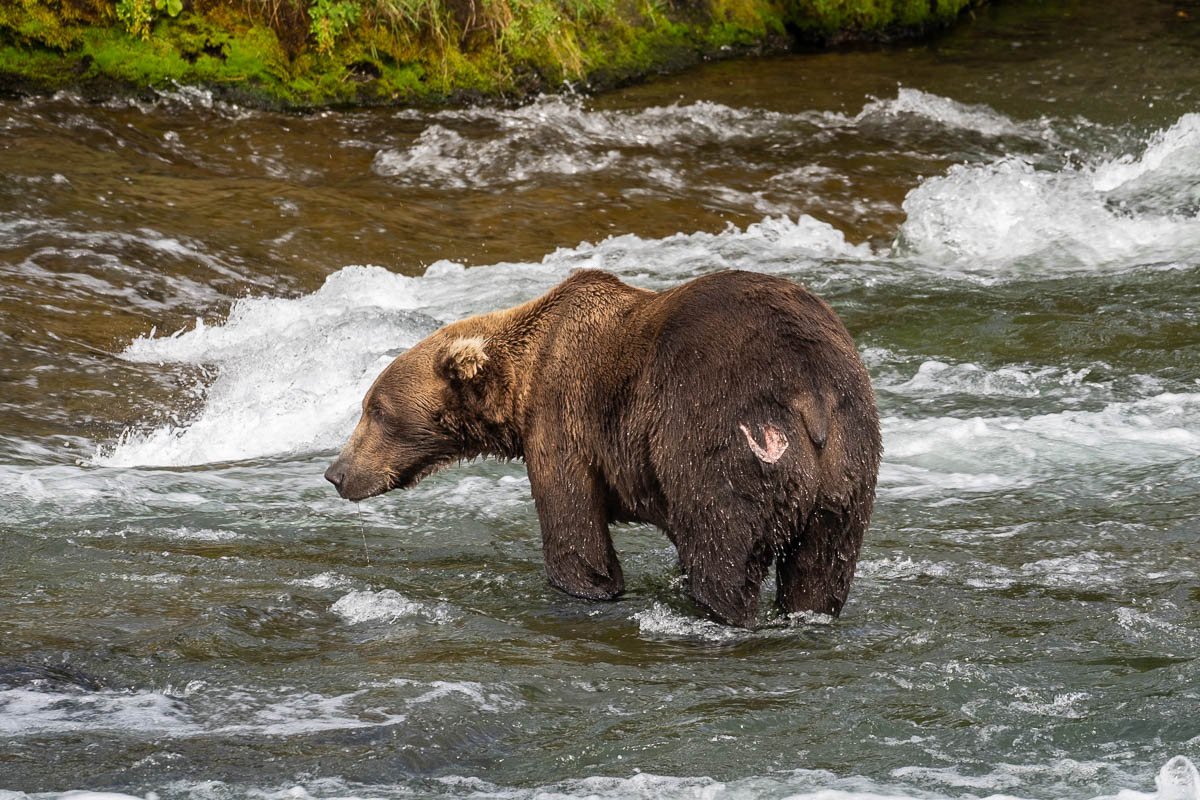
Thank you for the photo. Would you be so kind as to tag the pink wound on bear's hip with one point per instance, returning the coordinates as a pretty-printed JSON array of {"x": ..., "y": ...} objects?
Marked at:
[{"x": 774, "y": 443}]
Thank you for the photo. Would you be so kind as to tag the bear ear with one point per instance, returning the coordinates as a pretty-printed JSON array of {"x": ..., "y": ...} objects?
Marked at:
[{"x": 465, "y": 357}]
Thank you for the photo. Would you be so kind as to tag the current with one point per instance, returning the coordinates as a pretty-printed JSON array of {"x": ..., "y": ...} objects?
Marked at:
[{"x": 194, "y": 297}]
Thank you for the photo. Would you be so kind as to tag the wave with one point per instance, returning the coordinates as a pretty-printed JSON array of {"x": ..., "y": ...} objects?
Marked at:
[
  {"x": 985, "y": 454},
  {"x": 388, "y": 606},
  {"x": 97, "y": 264},
  {"x": 200, "y": 709},
  {"x": 1177, "y": 779},
  {"x": 289, "y": 374},
  {"x": 559, "y": 135},
  {"x": 1010, "y": 216},
  {"x": 949, "y": 114},
  {"x": 934, "y": 378}
]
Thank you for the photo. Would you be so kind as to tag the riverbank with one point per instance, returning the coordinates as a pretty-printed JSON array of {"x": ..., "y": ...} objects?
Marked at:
[{"x": 313, "y": 53}]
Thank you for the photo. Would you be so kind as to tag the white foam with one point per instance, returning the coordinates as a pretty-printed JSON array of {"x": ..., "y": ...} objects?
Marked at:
[
  {"x": 1154, "y": 628},
  {"x": 1010, "y": 215},
  {"x": 176, "y": 99},
  {"x": 389, "y": 606},
  {"x": 325, "y": 580},
  {"x": 1174, "y": 152},
  {"x": 1064, "y": 705},
  {"x": 200, "y": 534},
  {"x": 1176, "y": 780},
  {"x": 951, "y": 114},
  {"x": 476, "y": 693},
  {"x": 989, "y": 453},
  {"x": 492, "y": 498},
  {"x": 1086, "y": 569},
  {"x": 444, "y": 158},
  {"x": 902, "y": 568},
  {"x": 660, "y": 622},
  {"x": 290, "y": 374},
  {"x": 194, "y": 711},
  {"x": 935, "y": 377},
  {"x": 557, "y": 135},
  {"x": 28, "y": 711},
  {"x": 296, "y": 713}
]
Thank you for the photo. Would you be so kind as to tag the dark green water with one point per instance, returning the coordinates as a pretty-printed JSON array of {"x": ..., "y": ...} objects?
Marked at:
[{"x": 1008, "y": 220}]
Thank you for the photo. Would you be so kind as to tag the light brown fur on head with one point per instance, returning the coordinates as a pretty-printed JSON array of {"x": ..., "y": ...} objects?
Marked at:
[{"x": 465, "y": 356}]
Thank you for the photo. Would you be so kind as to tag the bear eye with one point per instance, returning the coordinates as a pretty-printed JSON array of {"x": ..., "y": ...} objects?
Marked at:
[{"x": 376, "y": 412}]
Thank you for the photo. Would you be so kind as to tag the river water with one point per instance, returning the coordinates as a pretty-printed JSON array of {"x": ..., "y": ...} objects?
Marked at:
[{"x": 195, "y": 296}]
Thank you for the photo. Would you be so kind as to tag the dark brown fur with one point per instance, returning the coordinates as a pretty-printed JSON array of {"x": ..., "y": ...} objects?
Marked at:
[{"x": 732, "y": 412}]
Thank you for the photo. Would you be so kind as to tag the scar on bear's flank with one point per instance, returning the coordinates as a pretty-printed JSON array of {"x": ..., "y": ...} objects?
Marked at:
[{"x": 774, "y": 443}]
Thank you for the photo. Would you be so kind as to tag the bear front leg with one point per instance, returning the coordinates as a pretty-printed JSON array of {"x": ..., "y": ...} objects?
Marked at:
[{"x": 576, "y": 547}]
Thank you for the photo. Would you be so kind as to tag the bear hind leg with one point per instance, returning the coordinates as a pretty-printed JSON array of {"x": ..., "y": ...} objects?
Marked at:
[
  {"x": 814, "y": 570},
  {"x": 725, "y": 571}
]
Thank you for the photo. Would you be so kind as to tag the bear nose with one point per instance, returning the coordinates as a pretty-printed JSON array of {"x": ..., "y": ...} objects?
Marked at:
[{"x": 335, "y": 475}]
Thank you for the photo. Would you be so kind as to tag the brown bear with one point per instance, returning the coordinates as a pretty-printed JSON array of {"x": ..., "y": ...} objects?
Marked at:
[{"x": 732, "y": 412}]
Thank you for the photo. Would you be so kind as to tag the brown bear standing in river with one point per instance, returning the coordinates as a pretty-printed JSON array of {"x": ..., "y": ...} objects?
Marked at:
[{"x": 732, "y": 412}]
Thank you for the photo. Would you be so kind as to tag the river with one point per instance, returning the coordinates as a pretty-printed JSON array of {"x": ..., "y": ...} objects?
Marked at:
[{"x": 194, "y": 297}]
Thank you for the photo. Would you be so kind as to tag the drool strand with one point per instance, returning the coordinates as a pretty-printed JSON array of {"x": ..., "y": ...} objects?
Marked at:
[{"x": 363, "y": 532}]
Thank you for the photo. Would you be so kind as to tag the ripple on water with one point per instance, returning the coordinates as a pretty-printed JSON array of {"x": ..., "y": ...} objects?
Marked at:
[{"x": 1176, "y": 780}]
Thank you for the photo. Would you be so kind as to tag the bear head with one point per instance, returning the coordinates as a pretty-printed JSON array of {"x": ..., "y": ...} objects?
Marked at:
[{"x": 435, "y": 404}]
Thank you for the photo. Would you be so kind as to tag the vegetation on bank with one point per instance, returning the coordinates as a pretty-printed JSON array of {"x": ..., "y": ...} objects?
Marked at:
[{"x": 298, "y": 53}]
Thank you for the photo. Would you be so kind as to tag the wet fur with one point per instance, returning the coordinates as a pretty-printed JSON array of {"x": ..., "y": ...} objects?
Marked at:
[{"x": 630, "y": 405}]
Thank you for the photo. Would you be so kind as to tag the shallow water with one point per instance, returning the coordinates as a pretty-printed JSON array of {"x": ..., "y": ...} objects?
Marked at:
[{"x": 195, "y": 297}]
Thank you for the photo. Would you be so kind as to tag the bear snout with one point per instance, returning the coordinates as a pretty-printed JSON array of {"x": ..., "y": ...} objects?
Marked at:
[
  {"x": 336, "y": 474},
  {"x": 354, "y": 483}
]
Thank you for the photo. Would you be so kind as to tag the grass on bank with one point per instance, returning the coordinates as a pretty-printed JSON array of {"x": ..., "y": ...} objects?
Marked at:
[{"x": 306, "y": 52}]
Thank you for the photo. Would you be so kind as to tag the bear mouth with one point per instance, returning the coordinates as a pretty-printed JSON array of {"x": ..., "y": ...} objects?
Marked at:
[
  {"x": 405, "y": 478},
  {"x": 416, "y": 473}
]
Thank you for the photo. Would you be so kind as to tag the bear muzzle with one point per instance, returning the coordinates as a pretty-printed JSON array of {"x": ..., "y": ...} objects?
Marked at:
[
  {"x": 336, "y": 474},
  {"x": 350, "y": 485}
]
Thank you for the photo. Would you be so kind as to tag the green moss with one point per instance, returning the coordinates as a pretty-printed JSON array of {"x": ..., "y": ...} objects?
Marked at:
[
  {"x": 871, "y": 18},
  {"x": 331, "y": 52}
]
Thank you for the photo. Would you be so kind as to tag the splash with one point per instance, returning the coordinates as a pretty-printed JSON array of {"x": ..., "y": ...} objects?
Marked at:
[
  {"x": 387, "y": 606},
  {"x": 1012, "y": 216},
  {"x": 660, "y": 622},
  {"x": 289, "y": 374}
]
